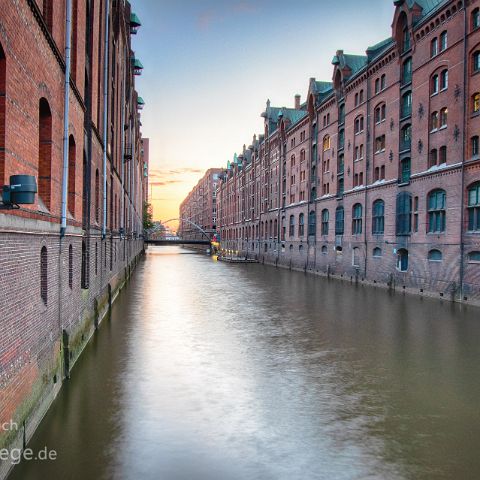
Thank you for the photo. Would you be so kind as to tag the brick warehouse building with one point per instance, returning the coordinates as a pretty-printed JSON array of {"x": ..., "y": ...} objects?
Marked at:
[
  {"x": 200, "y": 208},
  {"x": 376, "y": 177},
  {"x": 71, "y": 251}
]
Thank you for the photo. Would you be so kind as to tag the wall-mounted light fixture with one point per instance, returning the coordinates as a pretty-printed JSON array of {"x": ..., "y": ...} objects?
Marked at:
[{"x": 20, "y": 191}]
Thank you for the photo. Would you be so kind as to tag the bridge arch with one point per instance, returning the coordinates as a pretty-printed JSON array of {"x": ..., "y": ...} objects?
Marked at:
[{"x": 198, "y": 227}]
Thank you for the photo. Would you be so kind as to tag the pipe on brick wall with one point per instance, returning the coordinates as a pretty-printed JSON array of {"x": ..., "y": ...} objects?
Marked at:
[
  {"x": 105, "y": 116},
  {"x": 122, "y": 163},
  {"x": 66, "y": 110}
]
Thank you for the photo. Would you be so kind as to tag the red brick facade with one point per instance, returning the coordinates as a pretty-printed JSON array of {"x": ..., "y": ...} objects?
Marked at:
[
  {"x": 56, "y": 284},
  {"x": 199, "y": 209},
  {"x": 376, "y": 177}
]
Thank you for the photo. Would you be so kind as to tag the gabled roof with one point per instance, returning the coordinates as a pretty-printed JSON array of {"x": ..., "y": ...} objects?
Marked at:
[
  {"x": 274, "y": 114},
  {"x": 380, "y": 47},
  {"x": 355, "y": 62},
  {"x": 427, "y": 5},
  {"x": 322, "y": 87}
]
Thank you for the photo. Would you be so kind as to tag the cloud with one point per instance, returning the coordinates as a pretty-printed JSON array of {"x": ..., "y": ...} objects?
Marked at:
[{"x": 162, "y": 183}]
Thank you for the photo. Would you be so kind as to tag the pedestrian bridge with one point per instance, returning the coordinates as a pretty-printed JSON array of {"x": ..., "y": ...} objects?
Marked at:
[
  {"x": 155, "y": 238},
  {"x": 175, "y": 241}
]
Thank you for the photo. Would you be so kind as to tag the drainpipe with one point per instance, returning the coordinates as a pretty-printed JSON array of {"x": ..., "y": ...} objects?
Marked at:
[
  {"x": 462, "y": 196},
  {"x": 122, "y": 164},
  {"x": 66, "y": 109},
  {"x": 105, "y": 115},
  {"x": 368, "y": 167}
]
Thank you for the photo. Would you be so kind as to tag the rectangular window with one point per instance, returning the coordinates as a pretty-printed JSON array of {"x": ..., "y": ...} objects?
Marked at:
[{"x": 434, "y": 47}]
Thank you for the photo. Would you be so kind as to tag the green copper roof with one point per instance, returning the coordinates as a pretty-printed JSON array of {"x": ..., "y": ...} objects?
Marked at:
[
  {"x": 140, "y": 101},
  {"x": 134, "y": 20},
  {"x": 355, "y": 62},
  {"x": 137, "y": 63}
]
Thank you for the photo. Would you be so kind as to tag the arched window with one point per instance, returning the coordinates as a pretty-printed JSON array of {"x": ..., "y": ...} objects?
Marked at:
[
  {"x": 434, "y": 85},
  {"x": 444, "y": 79},
  {"x": 71, "y": 174},
  {"x": 302, "y": 155},
  {"x": 443, "y": 41},
  {"x": 476, "y": 61},
  {"x": 341, "y": 114},
  {"x": 404, "y": 214},
  {"x": 435, "y": 255},
  {"x": 437, "y": 211},
  {"x": 292, "y": 160},
  {"x": 402, "y": 260},
  {"x": 356, "y": 257},
  {"x": 324, "y": 249},
  {"x": 301, "y": 225},
  {"x": 474, "y": 207},
  {"x": 380, "y": 113},
  {"x": 377, "y": 85},
  {"x": 378, "y": 217},
  {"x": 474, "y": 146},
  {"x": 45, "y": 153},
  {"x": 434, "y": 47},
  {"x": 325, "y": 220},
  {"x": 44, "y": 275},
  {"x": 433, "y": 158},
  {"x": 407, "y": 71},
  {"x": 434, "y": 121},
  {"x": 377, "y": 252},
  {"x": 405, "y": 170},
  {"x": 291, "y": 231},
  {"x": 275, "y": 229},
  {"x": 341, "y": 187},
  {"x": 359, "y": 124},
  {"x": 339, "y": 221},
  {"x": 312, "y": 223},
  {"x": 300, "y": 248},
  {"x": 326, "y": 143},
  {"x": 357, "y": 219},
  {"x": 85, "y": 193},
  {"x": 406, "y": 104},
  {"x": 341, "y": 138},
  {"x": 406, "y": 138},
  {"x": 284, "y": 229},
  {"x": 84, "y": 269},
  {"x": 476, "y": 103},
  {"x": 3, "y": 80},
  {"x": 70, "y": 266},
  {"x": 443, "y": 117},
  {"x": 443, "y": 155},
  {"x": 476, "y": 19},
  {"x": 474, "y": 257}
]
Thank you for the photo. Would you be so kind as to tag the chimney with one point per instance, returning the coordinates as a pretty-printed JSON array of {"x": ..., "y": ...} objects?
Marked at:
[{"x": 297, "y": 102}]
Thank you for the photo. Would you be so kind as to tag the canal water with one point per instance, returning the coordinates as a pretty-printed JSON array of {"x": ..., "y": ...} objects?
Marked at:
[{"x": 211, "y": 371}]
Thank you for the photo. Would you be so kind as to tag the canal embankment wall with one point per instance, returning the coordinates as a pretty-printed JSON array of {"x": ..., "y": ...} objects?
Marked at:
[
  {"x": 49, "y": 314},
  {"x": 378, "y": 272}
]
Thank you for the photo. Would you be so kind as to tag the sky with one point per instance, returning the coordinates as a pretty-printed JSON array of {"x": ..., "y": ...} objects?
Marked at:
[{"x": 211, "y": 65}]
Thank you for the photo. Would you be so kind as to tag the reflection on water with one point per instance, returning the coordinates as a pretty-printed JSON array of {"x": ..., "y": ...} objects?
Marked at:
[{"x": 215, "y": 371}]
